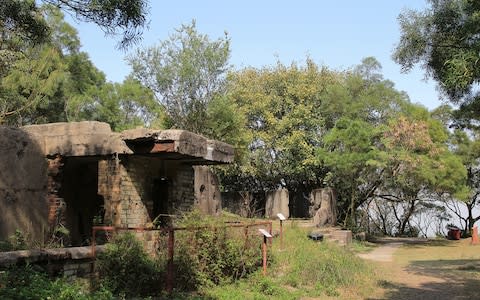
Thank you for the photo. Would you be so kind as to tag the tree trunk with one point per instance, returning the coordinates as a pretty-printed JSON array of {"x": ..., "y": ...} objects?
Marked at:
[{"x": 406, "y": 218}]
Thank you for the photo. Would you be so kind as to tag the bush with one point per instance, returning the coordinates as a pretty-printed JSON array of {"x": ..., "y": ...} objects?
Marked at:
[
  {"x": 211, "y": 255},
  {"x": 16, "y": 241},
  {"x": 303, "y": 269},
  {"x": 203, "y": 257},
  {"x": 29, "y": 283},
  {"x": 127, "y": 270}
]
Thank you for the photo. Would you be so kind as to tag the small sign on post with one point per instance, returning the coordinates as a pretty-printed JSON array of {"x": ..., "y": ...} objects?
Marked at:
[
  {"x": 266, "y": 235},
  {"x": 282, "y": 218}
]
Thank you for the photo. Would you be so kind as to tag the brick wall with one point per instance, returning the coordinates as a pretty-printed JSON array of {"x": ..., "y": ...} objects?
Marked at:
[
  {"x": 183, "y": 189},
  {"x": 127, "y": 186},
  {"x": 55, "y": 202},
  {"x": 109, "y": 180}
]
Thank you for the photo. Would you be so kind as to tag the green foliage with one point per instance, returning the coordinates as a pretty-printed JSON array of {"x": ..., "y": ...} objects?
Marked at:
[
  {"x": 389, "y": 149},
  {"x": 124, "y": 105},
  {"x": 466, "y": 145},
  {"x": 28, "y": 283},
  {"x": 186, "y": 72},
  {"x": 126, "y": 269},
  {"x": 322, "y": 264},
  {"x": 115, "y": 17},
  {"x": 22, "y": 19},
  {"x": 31, "y": 80},
  {"x": 226, "y": 124},
  {"x": 303, "y": 269},
  {"x": 283, "y": 106},
  {"x": 212, "y": 255},
  {"x": 444, "y": 40},
  {"x": 354, "y": 159},
  {"x": 16, "y": 241},
  {"x": 56, "y": 82}
]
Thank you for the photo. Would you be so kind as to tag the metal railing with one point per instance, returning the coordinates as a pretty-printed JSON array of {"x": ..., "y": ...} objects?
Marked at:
[{"x": 171, "y": 240}]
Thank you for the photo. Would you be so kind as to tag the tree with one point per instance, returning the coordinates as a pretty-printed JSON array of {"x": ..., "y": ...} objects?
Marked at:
[
  {"x": 29, "y": 82},
  {"x": 467, "y": 147},
  {"x": 43, "y": 82},
  {"x": 444, "y": 39},
  {"x": 358, "y": 109},
  {"x": 354, "y": 159},
  {"x": 127, "y": 18},
  {"x": 186, "y": 72},
  {"x": 123, "y": 105},
  {"x": 282, "y": 105},
  {"x": 384, "y": 147},
  {"x": 419, "y": 165},
  {"x": 56, "y": 82}
]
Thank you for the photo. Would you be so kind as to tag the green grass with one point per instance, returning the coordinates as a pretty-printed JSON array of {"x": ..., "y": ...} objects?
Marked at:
[
  {"x": 362, "y": 246},
  {"x": 304, "y": 268}
]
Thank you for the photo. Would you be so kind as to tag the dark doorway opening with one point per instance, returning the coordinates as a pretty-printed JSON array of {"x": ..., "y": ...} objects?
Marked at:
[
  {"x": 83, "y": 204},
  {"x": 160, "y": 202}
]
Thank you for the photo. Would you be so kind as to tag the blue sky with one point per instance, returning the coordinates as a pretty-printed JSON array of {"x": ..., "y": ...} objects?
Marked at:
[{"x": 337, "y": 34}]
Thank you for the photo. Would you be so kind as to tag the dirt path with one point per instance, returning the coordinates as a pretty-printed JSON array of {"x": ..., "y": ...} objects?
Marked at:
[
  {"x": 383, "y": 253},
  {"x": 419, "y": 270}
]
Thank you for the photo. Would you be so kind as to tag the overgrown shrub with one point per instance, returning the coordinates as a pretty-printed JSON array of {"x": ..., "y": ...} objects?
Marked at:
[
  {"x": 203, "y": 257},
  {"x": 28, "y": 283},
  {"x": 127, "y": 270},
  {"x": 303, "y": 269},
  {"x": 16, "y": 241},
  {"x": 212, "y": 255}
]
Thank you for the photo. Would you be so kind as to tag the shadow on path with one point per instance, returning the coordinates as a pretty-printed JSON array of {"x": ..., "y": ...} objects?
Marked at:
[
  {"x": 427, "y": 279},
  {"x": 432, "y": 290}
]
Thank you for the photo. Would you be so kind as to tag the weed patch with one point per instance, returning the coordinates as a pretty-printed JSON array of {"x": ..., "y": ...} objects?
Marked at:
[
  {"x": 28, "y": 283},
  {"x": 304, "y": 268}
]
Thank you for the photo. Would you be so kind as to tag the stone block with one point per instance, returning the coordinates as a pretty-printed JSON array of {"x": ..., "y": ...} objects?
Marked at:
[
  {"x": 344, "y": 237},
  {"x": 277, "y": 202}
]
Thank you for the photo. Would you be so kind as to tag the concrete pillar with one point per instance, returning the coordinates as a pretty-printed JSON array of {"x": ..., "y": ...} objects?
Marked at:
[{"x": 277, "y": 202}]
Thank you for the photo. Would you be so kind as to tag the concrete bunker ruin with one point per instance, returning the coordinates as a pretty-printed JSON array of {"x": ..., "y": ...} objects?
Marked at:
[{"x": 80, "y": 174}]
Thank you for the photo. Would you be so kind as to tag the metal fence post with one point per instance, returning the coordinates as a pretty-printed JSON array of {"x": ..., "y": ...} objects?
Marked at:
[{"x": 171, "y": 244}]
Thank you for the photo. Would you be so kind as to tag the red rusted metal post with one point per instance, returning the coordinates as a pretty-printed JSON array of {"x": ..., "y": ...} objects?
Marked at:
[
  {"x": 264, "y": 248},
  {"x": 93, "y": 241},
  {"x": 171, "y": 242}
]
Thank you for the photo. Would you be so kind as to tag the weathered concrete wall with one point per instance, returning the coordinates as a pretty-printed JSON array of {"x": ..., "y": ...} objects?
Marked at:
[
  {"x": 60, "y": 173},
  {"x": 66, "y": 262},
  {"x": 196, "y": 147},
  {"x": 245, "y": 204},
  {"x": 23, "y": 185},
  {"x": 277, "y": 202},
  {"x": 207, "y": 193},
  {"x": 76, "y": 139}
]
